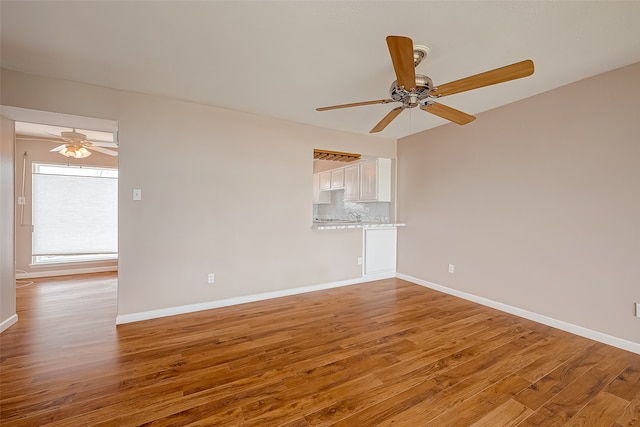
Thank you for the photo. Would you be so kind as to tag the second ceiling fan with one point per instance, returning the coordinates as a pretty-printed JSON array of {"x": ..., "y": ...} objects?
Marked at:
[
  {"x": 411, "y": 89},
  {"x": 78, "y": 146}
]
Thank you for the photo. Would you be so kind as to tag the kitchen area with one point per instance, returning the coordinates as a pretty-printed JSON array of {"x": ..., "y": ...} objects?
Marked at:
[{"x": 353, "y": 192}]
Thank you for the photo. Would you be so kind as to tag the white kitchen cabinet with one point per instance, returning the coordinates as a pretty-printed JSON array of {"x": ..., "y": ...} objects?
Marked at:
[
  {"x": 352, "y": 183},
  {"x": 337, "y": 179},
  {"x": 375, "y": 181},
  {"x": 380, "y": 251},
  {"x": 325, "y": 181},
  {"x": 319, "y": 197}
]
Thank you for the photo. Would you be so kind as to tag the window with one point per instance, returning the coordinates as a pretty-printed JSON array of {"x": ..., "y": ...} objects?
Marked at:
[{"x": 75, "y": 213}]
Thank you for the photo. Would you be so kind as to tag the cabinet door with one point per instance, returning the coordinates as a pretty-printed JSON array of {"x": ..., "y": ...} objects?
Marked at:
[
  {"x": 379, "y": 251},
  {"x": 319, "y": 197},
  {"x": 337, "y": 178},
  {"x": 352, "y": 182},
  {"x": 369, "y": 181},
  {"x": 325, "y": 180}
]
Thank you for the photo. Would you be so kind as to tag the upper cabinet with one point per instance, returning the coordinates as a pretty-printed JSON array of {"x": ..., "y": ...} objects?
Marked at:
[
  {"x": 352, "y": 183},
  {"x": 375, "y": 181},
  {"x": 325, "y": 180},
  {"x": 319, "y": 197},
  {"x": 367, "y": 181},
  {"x": 337, "y": 179}
]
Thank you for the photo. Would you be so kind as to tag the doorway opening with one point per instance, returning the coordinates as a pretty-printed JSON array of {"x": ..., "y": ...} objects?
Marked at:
[{"x": 66, "y": 178}]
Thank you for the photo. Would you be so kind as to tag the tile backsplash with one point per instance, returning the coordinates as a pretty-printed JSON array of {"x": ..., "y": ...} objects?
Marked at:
[{"x": 341, "y": 209}]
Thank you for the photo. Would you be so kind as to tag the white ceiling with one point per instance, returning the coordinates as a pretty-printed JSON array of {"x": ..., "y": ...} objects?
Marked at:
[{"x": 284, "y": 59}]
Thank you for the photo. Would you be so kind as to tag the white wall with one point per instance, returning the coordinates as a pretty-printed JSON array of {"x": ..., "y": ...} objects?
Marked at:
[
  {"x": 7, "y": 257},
  {"x": 537, "y": 204},
  {"x": 222, "y": 192}
]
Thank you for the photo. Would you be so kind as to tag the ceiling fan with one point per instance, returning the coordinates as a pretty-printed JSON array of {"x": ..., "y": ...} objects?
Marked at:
[
  {"x": 78, "y": 146},
  {"x": 411, "y": 89}
]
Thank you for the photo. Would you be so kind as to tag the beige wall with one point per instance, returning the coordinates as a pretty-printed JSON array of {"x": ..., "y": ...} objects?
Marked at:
[
  {"x": 7, "y": 257},
  {"x": 222, "y": 192},
  {"x": 38, "y": 151},
  {"x": 537, "y": 204},
  {"x": 58, "y": 96}
]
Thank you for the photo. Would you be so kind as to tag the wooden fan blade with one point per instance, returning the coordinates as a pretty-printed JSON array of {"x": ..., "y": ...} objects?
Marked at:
[
  {"x": 451, "y": 114},
  {"x": 401, "y": 50},
  {"x": 355, "y": 104},
  {"x": 387, "y": 119},
  {"x": 37, "y": 138},
  {"x": 106, "y": 144},
  {"x": 103, "y": 150},
  {"x": 57, "y": 149},
  {"x": 488, "y": 78}
]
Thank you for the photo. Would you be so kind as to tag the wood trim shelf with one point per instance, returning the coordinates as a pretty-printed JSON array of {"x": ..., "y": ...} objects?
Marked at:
[{"x": 337, "y": 156}]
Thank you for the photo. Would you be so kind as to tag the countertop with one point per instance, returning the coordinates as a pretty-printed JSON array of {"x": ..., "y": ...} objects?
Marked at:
[{"x": 339, "y": 225}]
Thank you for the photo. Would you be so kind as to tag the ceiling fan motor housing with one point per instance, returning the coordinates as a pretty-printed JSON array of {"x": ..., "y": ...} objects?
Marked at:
[
  {"x": 73, "y": 136},
  {"x": 411, "y": 99}
]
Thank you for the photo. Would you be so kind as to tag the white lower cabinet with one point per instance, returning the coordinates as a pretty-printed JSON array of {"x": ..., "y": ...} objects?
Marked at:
[{"x": 380, "y": 251}]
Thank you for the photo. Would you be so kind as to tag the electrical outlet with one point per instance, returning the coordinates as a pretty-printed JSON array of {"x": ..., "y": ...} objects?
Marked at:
[
  {"x": 359, "y": 260},
  {"x": 211, "y": 278},
  {"x": 137, "y": 194},
  {"x": 638, "y": 309},
  {"x": 452, "y": 268}
]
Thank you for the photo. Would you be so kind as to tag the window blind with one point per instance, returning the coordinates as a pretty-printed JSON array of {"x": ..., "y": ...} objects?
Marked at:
[{"x": 74, "y": 215}]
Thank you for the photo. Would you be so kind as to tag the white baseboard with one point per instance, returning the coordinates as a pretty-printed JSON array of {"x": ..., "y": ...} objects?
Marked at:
[
  {"x": 7, "y": 323},
  {"x": 172, "y": 311},
  {"x": 52, "y": 273},
  {"x": 549, "y": 321}
]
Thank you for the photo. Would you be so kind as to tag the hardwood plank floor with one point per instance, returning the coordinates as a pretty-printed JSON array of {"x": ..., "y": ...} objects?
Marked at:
[{"x": 385, "y": 353}]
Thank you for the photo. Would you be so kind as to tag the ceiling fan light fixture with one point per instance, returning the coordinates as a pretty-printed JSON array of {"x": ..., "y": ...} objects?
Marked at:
[
  {"x": 82, "y": 152},
  {"x": 75, "y": 152}
]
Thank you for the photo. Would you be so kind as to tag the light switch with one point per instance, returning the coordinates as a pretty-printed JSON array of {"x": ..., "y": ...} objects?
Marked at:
[{"x": 137, "y": 194}]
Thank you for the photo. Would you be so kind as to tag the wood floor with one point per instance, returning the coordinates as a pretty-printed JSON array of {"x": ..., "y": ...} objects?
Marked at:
[{"x": 386, "y": 353}]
